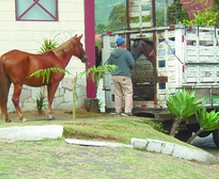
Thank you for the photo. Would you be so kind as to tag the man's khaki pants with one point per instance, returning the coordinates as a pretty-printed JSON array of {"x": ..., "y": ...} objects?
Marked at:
[{"x": 123, "y": 86}]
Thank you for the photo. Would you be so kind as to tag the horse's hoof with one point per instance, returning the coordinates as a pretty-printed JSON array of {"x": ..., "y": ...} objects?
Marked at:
[
  {"x": 50, "y": 117},
  {"x": 24, "y": 120},
  {"x": 8, "y": 120}
]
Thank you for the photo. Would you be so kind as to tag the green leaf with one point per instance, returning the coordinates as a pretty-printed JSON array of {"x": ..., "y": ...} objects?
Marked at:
[
  {"x": 45, "y": 73},
  {"x": 98, "y": 72},
  {"x": 48, "y": 44},
  {"x": 183, "y": 104},
  {"x": 208, "y": 121}
]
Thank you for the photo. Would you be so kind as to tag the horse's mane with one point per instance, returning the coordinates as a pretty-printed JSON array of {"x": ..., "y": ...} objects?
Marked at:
[
  {"x": 64, "y": 47},
  {"x": 149, "y": 42}
]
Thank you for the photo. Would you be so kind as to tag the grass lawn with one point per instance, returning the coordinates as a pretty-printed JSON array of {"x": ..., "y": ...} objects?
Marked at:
[{"x": 57, "y": 159}]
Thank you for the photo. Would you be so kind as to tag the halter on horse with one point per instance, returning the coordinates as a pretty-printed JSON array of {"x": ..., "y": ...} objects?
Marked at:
[
  {"x": 16, "y": 67},
  {"x": 146, "y": 47}
]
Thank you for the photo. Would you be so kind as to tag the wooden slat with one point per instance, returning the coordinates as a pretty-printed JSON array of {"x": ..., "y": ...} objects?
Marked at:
[
  {"x": 138, "y": 25},
  {"x": 136, "y": 14}
]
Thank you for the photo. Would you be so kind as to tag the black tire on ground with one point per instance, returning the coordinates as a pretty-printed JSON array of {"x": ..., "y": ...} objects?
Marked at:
[
  {"x": 184, "y": 135},
  {"x": 204, "y": 134},
  {"x": 216, "y": 137},
  {"x": 195, "y": 127}
]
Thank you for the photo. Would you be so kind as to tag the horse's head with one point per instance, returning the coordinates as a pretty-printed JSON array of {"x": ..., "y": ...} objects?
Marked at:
[
  {"x": 79, "y": 50},
  {"x": 143, "y": 46},
  {"x": 136, "y": 49}
]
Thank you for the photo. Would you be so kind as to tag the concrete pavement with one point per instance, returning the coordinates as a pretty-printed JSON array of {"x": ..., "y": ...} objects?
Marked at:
[{"x": 30, "y": 133}]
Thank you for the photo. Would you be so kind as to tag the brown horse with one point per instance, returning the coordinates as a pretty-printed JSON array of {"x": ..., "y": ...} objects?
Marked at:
[
  {"x": 146, "y": 47},
  {"x": 16, "y": 67}
]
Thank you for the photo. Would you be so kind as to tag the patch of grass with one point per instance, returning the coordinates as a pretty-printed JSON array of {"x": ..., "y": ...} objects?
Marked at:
[
  {"x": 116, "y": 129},
  {"x": 57, "y": 159},
  {"x": 100, "y": 126}
]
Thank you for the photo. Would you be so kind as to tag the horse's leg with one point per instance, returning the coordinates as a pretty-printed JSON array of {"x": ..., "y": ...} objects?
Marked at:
[
  {"x": 15, "y": 99},
  {"x": 51, "y": 93},
  {"x": 4, "y": 100}
]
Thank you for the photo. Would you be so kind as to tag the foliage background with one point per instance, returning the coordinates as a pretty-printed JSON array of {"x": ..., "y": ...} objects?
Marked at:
[{"x": 109, "y": 15}]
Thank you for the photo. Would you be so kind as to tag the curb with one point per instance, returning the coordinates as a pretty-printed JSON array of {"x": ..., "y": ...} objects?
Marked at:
[
  {"x": 158, "y": 146},
  {"x": 30, "y": 133},
  {"x": 96, "y": 143},
  {"x": 173, "y": 149}
]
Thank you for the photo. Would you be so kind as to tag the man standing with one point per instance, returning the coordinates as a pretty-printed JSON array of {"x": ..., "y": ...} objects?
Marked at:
[{"x": 121, "y": 77}]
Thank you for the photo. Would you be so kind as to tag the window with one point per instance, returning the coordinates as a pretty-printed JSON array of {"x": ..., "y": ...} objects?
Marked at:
[{"x": 36, "y": 10}]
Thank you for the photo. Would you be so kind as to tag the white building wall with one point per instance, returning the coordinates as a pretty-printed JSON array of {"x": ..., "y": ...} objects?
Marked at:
[{"x": 28, "y": 36}]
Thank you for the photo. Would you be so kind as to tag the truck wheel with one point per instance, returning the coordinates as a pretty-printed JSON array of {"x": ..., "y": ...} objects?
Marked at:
[
  {"x": 184, "y": 135},
  {"x": 216, "y": 137},
  {"x": 204, "y": 134}
]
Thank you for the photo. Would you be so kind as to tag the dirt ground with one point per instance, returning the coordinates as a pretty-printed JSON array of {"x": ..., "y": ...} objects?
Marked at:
[{"x": 58, "y": 114}]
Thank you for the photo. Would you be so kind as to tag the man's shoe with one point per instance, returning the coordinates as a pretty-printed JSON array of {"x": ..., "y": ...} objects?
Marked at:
[
  {"x": 115, "y": 113},
  {"x": 126, "y": 114}
]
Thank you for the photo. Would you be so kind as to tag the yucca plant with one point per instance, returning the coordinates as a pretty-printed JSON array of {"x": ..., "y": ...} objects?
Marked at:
[
  {"x": 41, "y": 102},
  {"x": 208, "y": 121},
  {"x": 97, "y": 72},
  {"x": 45, "y": 73},
  {"x": 182, "y": 105},
  {"x": 48, "y": 44}
]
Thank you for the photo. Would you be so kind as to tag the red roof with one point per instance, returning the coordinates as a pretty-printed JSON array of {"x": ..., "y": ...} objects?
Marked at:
[{"x": 193, "y": 6}]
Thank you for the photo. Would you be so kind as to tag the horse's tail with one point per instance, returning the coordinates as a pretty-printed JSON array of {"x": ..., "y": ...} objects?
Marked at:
[{"x": 5, "y": 83}]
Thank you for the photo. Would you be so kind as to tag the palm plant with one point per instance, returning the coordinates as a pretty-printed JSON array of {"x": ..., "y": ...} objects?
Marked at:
[
  {"x": 98, "y": 72},
  {"x": 48, "y": 44},
  {"x": 208, "y": 121},
  {"x": 182, "y": 105}
]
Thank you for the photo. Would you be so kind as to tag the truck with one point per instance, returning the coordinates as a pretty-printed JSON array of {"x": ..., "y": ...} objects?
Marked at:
[{"x": 187, "y": 57}]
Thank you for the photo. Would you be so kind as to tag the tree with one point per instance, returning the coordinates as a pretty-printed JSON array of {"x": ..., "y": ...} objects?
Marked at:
[
  {"x": 160, "y": 16},
  {"x": 206, "y": 18},
  {"x": 100, "y": 28},
  {"x": 117, "y": 18},
  {"x": 182, "y": 105},
  {"x": 176, "y": 13}
]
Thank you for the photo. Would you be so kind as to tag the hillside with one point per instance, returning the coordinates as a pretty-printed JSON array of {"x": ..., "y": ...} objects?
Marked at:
[{"x": 104, "y": 7}]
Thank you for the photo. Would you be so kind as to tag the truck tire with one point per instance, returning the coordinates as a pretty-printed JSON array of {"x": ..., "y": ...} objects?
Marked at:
[
  {"x": 204, "y": 134},
  {"x": 216, "y": 137}
]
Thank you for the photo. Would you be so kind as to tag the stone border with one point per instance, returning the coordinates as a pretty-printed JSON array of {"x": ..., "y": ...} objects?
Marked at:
[{"x": 173, "y": 149}]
